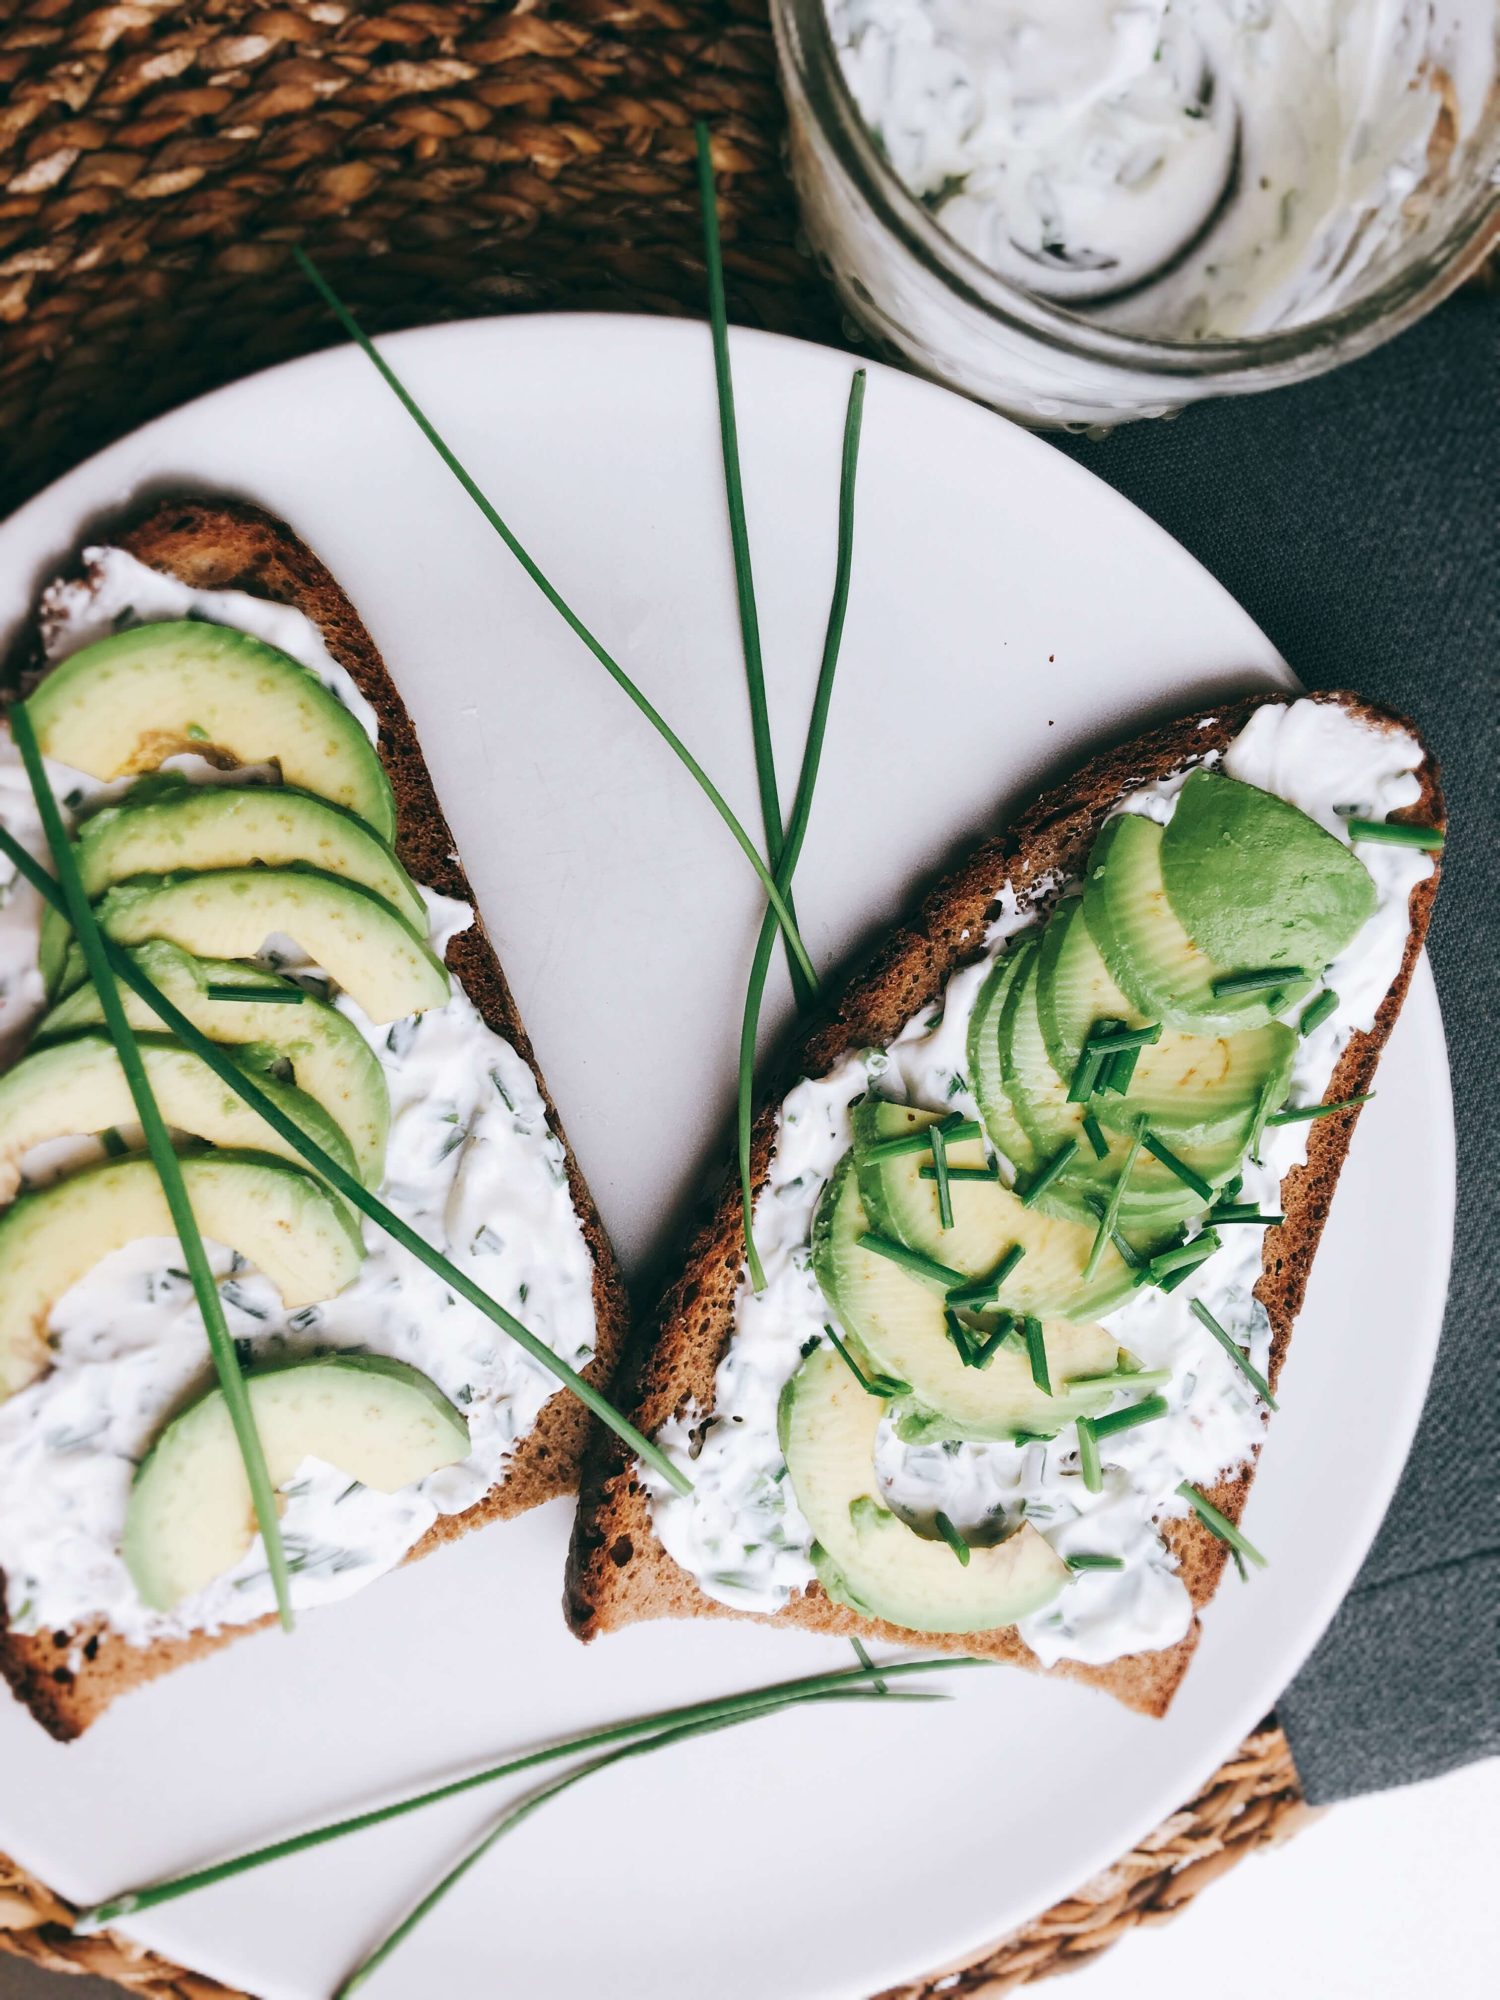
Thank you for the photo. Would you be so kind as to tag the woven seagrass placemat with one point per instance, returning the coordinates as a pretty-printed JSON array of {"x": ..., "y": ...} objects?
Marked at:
[{"x": 440, "y": 158}]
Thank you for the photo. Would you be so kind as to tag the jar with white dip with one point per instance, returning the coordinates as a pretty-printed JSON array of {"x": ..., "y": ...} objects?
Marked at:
[{"x": 1084, "y": 211}]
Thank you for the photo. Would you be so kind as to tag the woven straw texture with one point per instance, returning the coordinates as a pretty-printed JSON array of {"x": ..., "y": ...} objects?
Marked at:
[
  {"x": 439, "y": 160},
  {"x": 1252, "y": 1801}
]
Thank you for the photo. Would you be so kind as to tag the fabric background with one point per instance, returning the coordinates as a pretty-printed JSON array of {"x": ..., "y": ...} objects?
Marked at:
[{"x": 1357, "y": 519}]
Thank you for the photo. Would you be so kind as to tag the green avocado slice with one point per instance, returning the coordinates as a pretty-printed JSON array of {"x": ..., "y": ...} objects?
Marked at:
[
  {"x": 190, "y": 1517},
  {"x": 988, "y": 1221},
  {"x": 355, "y": 936},
  {"x": 867, "y": 1557},
  {"x": 281, "y": 1220},
  {"x": 330, "y": 1058},
  {"x": 898, "y": 1323},
  {"x": 127, "y": 703},
  {"x": 77, "y": 1087},
  {"x": 1164, "y": 973},
  {"x": 986, "y": 1068},
  {"x": 1254, "y": 881}
]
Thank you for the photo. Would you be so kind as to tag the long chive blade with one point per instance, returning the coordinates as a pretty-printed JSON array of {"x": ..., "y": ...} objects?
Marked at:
[
  {"x": 1236, "y": 1354},
  {"x": 755, "y": 1701},
  {"x": 1397, "y": 833},
  {"x": 739, "y": 532},
  {"x": 352, "y": 1190},
  {"x": 564, "y": 610},
  {"x": 1221, "y": 1525},
  {"x": 791, "y": 852},
  {"x": 1300, "y": 1113},
  {"x": 163, "y": 1157}
]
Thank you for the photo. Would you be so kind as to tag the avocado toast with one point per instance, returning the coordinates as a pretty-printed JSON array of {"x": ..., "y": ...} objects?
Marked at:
[
  {"x": 289, "y": 882},
  {"x": 1037, "y": 1205}
]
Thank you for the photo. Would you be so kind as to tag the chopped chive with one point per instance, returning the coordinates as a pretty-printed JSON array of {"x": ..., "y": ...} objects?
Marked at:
[
  {"x": 1242, "y": 1211},
  {"x": 1128, "y": 1253},
  {"x": 1397, "y": 833},
  {"x": 952, "y": 1537},
  {"x": 1119, "y": 1072},
  {"x": 1181, "y": 1257},
  {"x": 1175, "y": 1278},
  {"x": 865, "y": 1661},
  {"x": 1111, "y": 1214},
  {"x": 1036, "y": 1351},
  {"x": 1083, "y": 1561},
  {"x": 1300, "y": 1112},
  {"x": 1316, "y": 1012},
  {"x": 739, "y": 537},
  {"x": 69, "y": 894},
  {"x": 940, "y": 1173},
  {"x": 112, "y": 1143},
  {"x": 1085, "y": 1078},
  {"x": 1145, "y": 1412},
  {"x": 1054, "y": 1167},
  {"x": 753, "y": 1701},
  {"x": 1260, "y": 981},
  {"x": 989, "y": 1173},
  {"x": 1220, "y": 1524},
  {"x": 1096, "y": 1138},
  {"x": 884, "y": 1386},
  {"x": 920, "y": 1266},
  {"x": 559, "y": 604},
  {"x": 1189, "y": 1176},
  {"x": 1239, "y": 1563},
  {"x": 1110, "y": 1041},
  {"x": 966, "y": 1294},
  {"x": 1088, "y": 1457},
  {"x": 791, "y": 852},
  {"x": 348, "y": 1185},
  {"x": 1262, "y": 1112},
  {"x": 274, "y": 996},
  {"x": 959, "y": 1334},
  {"x": 955, "y": 1128},
  {"x": 1122, "y": 1378},
  {"x": 986, "y": 1349},
  {"x": 1236, "y": 1354}
]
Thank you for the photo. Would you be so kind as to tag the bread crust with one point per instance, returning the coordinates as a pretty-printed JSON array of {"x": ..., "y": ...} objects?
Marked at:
[
  {"x": 618, "y": 1571},
  {"x": 68, "y": 1679}
]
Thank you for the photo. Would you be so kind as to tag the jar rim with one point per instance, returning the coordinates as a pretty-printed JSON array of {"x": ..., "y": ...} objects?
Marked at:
[{"x": 808, "y": 54}]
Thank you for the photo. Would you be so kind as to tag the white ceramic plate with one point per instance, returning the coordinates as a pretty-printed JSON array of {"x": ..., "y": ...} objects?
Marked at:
[{"x": 1009, "y": 612}]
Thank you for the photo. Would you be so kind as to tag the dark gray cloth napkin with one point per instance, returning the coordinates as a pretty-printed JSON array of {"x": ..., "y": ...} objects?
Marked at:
[{"x": 1357, "y": 519}]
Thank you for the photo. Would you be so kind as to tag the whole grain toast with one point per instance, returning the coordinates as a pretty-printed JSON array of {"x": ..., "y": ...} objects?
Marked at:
[
  {"x": 68, "y": 1679},
  {"x": 618, "y": 1571}
]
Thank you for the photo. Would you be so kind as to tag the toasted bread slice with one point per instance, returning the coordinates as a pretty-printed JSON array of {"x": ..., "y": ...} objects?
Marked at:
[
  {"x": 618, "y": 1570},
  {"x": 68, "y": 1679}
]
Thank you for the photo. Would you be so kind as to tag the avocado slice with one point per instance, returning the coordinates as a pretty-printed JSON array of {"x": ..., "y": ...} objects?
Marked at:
[
  {"x": 1254, "y": 881},
  {"x": 898, "y": 1324},
  {"x": 988, "y": 1220},
  {"x": 867, "y": 1557},
  {"x": 330, "y": 1058},
  {"x": 190, "y": 1516},
  {"x": 1166, "y": 976},
  {"x": 127, "y": 703},
  {"x": 986, "y": 1071},
  {"x": 281, "y": 1220},
  {"x": 355, "y": 936},
  {"x": 78, "y": 1087},
  {"x": 1155, "y": 1197}
]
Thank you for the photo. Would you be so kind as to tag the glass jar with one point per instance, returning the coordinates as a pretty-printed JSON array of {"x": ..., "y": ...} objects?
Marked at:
[{"x": 919, "y": 292}]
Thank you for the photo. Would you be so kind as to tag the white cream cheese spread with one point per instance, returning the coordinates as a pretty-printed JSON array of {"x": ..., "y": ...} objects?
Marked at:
[
  {"x": 471, "y": 1164},
  {"x": 1210, "y": 167},
  {"x": 740, "y": 1533}
]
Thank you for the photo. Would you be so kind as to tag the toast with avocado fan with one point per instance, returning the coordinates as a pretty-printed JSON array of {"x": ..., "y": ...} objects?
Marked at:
[
  {"x": 68, "y": 1678},
  {"x": 619, "y": 1569}
]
